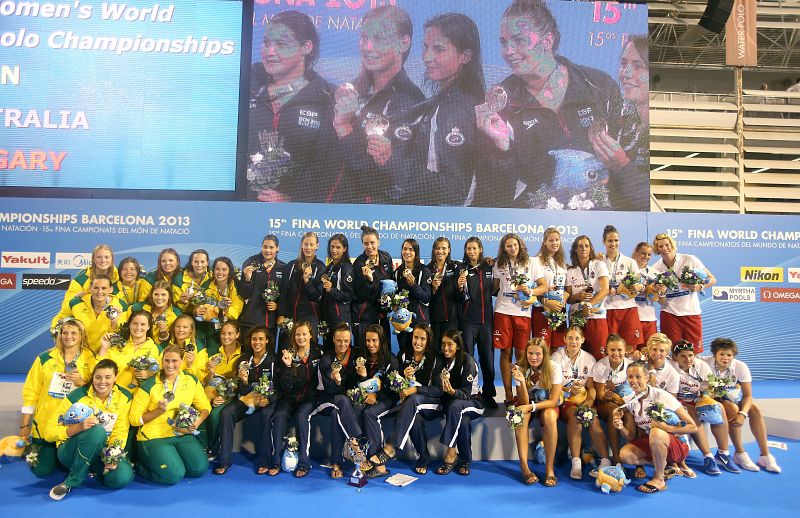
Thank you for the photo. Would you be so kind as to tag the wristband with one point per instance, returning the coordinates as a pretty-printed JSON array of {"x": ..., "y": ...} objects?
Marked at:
[{"x": 742, "y": 413}]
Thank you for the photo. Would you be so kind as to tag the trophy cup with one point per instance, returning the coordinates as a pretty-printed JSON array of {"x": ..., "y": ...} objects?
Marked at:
[
  {"x": 496, "y": 98},
  {"x": 357, "y": 451}
]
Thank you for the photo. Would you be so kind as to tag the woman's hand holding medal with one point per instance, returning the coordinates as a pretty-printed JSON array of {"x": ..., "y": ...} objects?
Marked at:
[
  {"x": 408, "y": 275},
  {"x": 286, "y": 357},
  {"x": 327, "y": 285}
]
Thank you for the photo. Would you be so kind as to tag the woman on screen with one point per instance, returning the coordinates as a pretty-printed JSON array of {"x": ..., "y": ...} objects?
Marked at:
[
  {"x": 541, "y": 119},
  {"x": 439, "y": 150},
  {"x": 627, "y": 155},
  {"x": 364, "y": 109},
  {"x": 291, "y": 135}
]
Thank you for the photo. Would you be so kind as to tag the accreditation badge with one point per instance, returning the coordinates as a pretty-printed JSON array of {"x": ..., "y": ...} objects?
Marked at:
[
  {"x": 107, "y": 421},
  {"x": 60, "y": 386}
]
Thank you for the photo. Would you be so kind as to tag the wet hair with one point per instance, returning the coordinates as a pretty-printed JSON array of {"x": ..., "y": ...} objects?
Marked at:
[
  {"x": 342, "y": 327},
  {"x": 188, "y": 265},
  {"x": 456, "y": 336},
  {"x": 503, "y": 259},
  {"x": 384, "y": 355},
  {"x": 558, "y": 256},
  {"x": 463, "y": 34},
  {"x": 231, "y": 271},
  {"x": 614, "y": 337},
  {"x": 641, "y": 44},
  {"x": 100, "y": 277},
  {"x": 577, "y": 329},
  {"x": 447, "y": 260},
  {"x": 573, "y": 251},
  {"x": 171, "y": 348},
  {"x": 399, "y": 18},
  {"x": 721, "y": 344},
  {"x": 429, "y": 345},
  {"x": 539, "y": 14},
  {"x": 342, "y": 239},
  {"x": 545, "y": 380},
  {"x": 106, "y": 363},
  {"x": 609, "y": 229},
  {"x": 303, "y": 29},
  {"x": 476, "y": 240},
  {"x": 142, "y": 313},
  {"x": 247, "y": 350},
  {"x": 638, "y": 364},
  {"x": 641, "y": 245},
  {"x": 298, "y": 325}
]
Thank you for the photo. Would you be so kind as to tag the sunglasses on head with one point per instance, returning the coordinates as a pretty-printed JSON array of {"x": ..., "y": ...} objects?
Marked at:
[
  {"x": 683, "y": 345},
  {"x": 662, "y": 236}
]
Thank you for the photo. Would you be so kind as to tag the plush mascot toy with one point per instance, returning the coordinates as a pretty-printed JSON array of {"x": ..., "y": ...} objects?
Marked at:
[
  {"x": 11, "y": 448},
  {"x": 611, "y": 479},
  {"x": 75, "y": 414},
  {"x": 708, "y": 410},
  {"x": 401, "y": 320}
]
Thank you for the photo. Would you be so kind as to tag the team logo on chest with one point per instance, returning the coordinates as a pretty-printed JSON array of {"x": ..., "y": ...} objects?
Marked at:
[
  {"x": 402, "y": 133},
  {"x": 455, "y": 137}
]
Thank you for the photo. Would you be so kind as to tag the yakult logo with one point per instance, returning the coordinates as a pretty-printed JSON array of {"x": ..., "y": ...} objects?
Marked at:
[
  {"x": 26, "y": 260},
  {"x": 794, "y": 275}
]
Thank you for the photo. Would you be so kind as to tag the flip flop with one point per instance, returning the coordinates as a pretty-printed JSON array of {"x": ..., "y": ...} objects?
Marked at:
[
  {"x": 336, "y": 472},
  {"x": 222, "y": 469},
  {"x": 382, "y": 457},
  {"x": 421, "y": 468},
  {"x": 530, "y": 478},
  {"x": 446, "y": 467},
  {"x": 688, "y": 473},
  {"x": 550, "y": 481},
  {"x": 639, "y": 473},
  {"x": 301, "y": 472},
  {"x": 463, "y": 469},
  {"x": 262, "y": 470},
  {"x": 374, "y": 473},
  {"x": 650, "y": 488}
]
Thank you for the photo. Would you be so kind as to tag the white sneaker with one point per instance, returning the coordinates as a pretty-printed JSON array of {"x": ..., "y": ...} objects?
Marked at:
[
  {"x": 576, "y": 472},
  {"x": 59, "y": 492},
  {"x": 603, "y": 463},
  {"x": 745, "y": 462},
  {"x": 768, "y": 463}
]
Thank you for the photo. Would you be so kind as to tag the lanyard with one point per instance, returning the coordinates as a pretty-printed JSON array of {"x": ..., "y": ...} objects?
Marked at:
[
  {"x": 174, "y": 384},
  {"x": 613, "y": 372},
  {"x": 108, "y": 402},
  {"x": 585, "y": 273}
]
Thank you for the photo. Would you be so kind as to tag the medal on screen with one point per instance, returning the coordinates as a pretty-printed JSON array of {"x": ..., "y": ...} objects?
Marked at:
[
  {"x": 376, "y": 125},
  {"x": 496, "y": 98}
]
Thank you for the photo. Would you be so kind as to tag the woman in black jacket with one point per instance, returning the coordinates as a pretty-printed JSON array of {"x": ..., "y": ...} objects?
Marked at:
[
  {"x": 369, "y": 269},
  {"x": 301, "y": 287},
  {"x": 415, "y": 277},
  {"x": 262, "y": 276},
  {"x": 291, "y": 136},
  {"x": 337, "y": 287}
]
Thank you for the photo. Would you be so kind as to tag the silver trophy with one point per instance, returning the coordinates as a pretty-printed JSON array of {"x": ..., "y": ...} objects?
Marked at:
[
  {"x": 267, "y": 167},
  {"x": 496, "y": 98},
  {"x": 356, "y": 450}
]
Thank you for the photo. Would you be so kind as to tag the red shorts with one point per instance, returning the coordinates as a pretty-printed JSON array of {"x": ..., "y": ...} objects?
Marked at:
[
  {"x": 510, "y": 330},
  {"x": 565, "y": 406},
  {"x": 689, "y": 327},
  {"x": 595, "y": 334},
  {"x": 649, "y": 328},
  {"x": 677, "y": 451},
  {"x": 554, "y": 338},
  {"x": 625, "y": 322}
]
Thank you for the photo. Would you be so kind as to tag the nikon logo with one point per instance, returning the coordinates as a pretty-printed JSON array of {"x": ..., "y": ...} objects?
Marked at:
[{"x": 762, "y": 274}]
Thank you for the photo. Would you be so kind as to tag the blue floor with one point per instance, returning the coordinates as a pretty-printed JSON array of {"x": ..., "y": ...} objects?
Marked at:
[{"x": 493, "y": 489}]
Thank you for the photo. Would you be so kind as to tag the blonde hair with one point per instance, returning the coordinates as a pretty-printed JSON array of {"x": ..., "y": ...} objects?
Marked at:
[
  {"x": 545, "y": 380},
  {"x": 666, "y": 236},
  {"x": 192, "y": 336},
  {"x": 84, "y": 344},
  {"x": 659, "y": 338},
  {"x": 103, "y": 246}
]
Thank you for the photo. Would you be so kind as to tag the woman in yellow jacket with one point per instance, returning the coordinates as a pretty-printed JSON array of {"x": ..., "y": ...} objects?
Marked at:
[
  {"x": 137, "y": 345},
  {"x": 167, "y": 453},
  {"x": 196, "y": 276},
  {"x": 53, "y": 375},
  {"x": 102, "y": 264},
  {"x": 161, "y": 306},
  {"x": 130, "y": 281},
  {"x": 80, "y": 445},
  {"x": 193, "y": 350},
  {"x": 223, "y": 293},
  {"x": 225, "y": 365},
  {"x": 100, "y": 312},
  {"x": 168, "y": 269}
]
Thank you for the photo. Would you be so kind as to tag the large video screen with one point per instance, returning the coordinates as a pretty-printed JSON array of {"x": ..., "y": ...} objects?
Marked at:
[
  {"x": 462, "y": 103},
  {"x": 523, "y": 104},
  {"x": 119, "y": 96}
]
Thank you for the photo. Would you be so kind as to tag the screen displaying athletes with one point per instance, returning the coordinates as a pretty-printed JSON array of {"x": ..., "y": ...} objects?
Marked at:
[{"x": 523, "y": 103}]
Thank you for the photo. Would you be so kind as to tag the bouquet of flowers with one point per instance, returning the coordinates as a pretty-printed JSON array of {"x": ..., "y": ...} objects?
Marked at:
[
  {"x": 287, "y": 325},
  {"x": 692, "y": 276},
  {"x": 667, "y": 279},
  {"x": 185, "y": 416},
  {"x": 514, "y": 417},
  {"x": 397, "y": 382},
  {"x": 556, "y": 320},
  {"x": 626, "y": 286},
  {"x": 521, "y": 279},
  {"x": 112, "y": 455},
  {"x": 144, "y": 363},
  {"x": 198, "y": 299},
  {"x": 718, "y": 385},
  {"x": 358, "y": 396},
  {"x": 237, "y": 273},
  {"x": 394, "y": 301},
  {"x": 264, "y": 387},
  {"x": 225, "y": 387},
  {"x": 271, "y": 292},
  {"x": 31, "y": 454},
  {"x": 323, "y": 328},
  {"x": 584, "y": 414},
  {"x": 577, "y": 318},
  {"x": 658, "y": 412}
]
